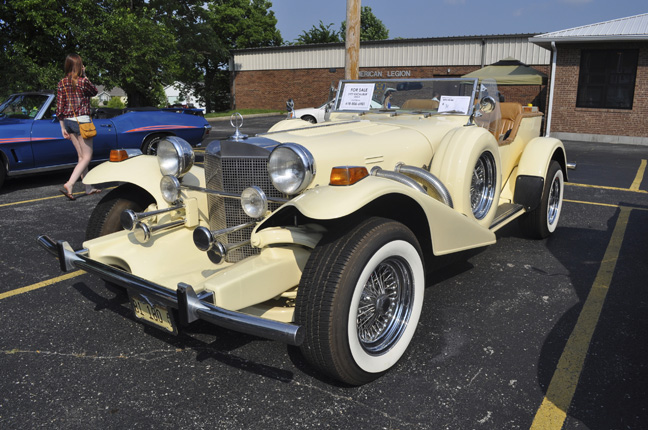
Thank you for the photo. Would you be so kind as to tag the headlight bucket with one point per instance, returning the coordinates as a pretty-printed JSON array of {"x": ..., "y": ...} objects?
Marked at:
[
  {"x": 175, "y": 156},
  {"x": 291, "y": 168}
]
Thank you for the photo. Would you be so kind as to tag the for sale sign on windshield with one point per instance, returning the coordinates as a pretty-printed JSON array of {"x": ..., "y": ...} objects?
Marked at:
[{"x": 356, "y": 96}]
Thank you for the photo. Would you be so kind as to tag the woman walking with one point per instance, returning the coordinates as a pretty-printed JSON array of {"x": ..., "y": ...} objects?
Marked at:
[{"x": 73, "y": 107}]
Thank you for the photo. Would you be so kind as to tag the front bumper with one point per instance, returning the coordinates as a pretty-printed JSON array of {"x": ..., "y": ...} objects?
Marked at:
[{"x": 190, "y": 306}]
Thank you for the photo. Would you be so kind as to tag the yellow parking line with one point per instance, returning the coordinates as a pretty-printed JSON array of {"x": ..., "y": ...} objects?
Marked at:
[
  {"x": 41, "y": 284},
  {"x": 606, "y": 204},
  {"x": 603, "y": 187},
  {"x": 33, "y": 200},
  {"x": 555, "y": 405},
  {"x": 640, "y": 174},
  {"x": 46, "y": 198}
]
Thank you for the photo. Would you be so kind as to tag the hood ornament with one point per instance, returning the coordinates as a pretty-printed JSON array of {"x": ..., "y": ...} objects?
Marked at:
[{"x": 236, "y": 120}]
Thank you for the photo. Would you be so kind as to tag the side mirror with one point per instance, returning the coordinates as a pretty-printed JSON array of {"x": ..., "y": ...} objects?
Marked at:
[{"x": 487, "y": 104}]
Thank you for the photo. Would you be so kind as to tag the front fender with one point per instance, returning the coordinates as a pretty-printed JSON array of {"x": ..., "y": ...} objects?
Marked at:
[
  {"x": 142, "y": 171},
  {"x": 450, "y": 231}
]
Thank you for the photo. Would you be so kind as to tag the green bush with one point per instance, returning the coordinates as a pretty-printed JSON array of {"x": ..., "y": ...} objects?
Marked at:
[{"x": 116, "y": 103}]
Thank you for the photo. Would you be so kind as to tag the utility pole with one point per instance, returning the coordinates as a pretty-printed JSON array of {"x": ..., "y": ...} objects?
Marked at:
[{"x": 352, "y": 45}]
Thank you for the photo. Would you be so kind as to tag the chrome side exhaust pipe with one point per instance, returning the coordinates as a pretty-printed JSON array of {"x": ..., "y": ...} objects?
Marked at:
[{"x": 429, "y": 179}]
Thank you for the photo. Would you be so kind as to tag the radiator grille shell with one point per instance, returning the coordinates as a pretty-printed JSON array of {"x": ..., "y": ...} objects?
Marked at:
[{"x": 232, "y": 167}]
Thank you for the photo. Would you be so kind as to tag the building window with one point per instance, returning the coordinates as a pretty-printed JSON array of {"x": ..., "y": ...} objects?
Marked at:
[{"x": 607, "y": 78}]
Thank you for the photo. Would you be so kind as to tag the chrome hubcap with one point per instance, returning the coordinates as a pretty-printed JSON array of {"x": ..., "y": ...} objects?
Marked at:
[
  {"x": 385, "y": 306},
  {"x": 482, "y": 186},
  {"x": 554, "y": 201}
]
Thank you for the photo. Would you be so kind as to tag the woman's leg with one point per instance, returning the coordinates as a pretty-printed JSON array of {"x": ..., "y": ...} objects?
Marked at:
[{"x": 84, "y": 151}]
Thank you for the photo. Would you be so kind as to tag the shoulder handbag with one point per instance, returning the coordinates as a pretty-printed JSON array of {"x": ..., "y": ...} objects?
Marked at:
[{"x": 87, "y": 129}]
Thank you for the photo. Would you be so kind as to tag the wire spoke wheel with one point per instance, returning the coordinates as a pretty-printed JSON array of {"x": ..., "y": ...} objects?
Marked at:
[
  {"x": 385, "y": 306},
  {"x": 482, "y": 186},
  {"x": 555, "y": 201},
  {"x": 542, "y": 221},
  {"x": 360, "y": 299}
]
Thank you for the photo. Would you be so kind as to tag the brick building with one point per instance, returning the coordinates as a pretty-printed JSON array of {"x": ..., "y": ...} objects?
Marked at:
[
  {"x": 267, "y": 77},
  {"x": 599, "y": 81}
]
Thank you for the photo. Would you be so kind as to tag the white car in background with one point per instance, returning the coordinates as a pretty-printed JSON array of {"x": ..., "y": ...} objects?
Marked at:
[
  {"x": 318, "y": 114},
  {"x": 313, "y": 115}
]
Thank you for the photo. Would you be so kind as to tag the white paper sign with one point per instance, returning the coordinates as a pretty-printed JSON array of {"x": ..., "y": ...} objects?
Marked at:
[
  {"x": 456, "y": 104},
  {"x": 357, "y": 96}
]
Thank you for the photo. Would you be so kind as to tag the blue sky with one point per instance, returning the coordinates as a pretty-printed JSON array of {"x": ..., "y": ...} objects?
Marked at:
[{"x": 444, "y": 18}]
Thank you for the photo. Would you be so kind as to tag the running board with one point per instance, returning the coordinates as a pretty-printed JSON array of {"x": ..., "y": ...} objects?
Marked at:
[{"x": 506, "y": 212}]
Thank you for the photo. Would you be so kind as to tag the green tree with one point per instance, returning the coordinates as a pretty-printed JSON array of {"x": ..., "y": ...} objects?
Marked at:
[
  {"x": 321, "y": 34},
  {"x": 207, "y": 32},
  {"x": 239, "y": 24},
  {"x": 371, "y": 28},
  {"x": 134, "y": 51},
  {"x": 138, "y": 45},
  {"x": 33, "y": 36},
  {"x": 119, "y": 41}
]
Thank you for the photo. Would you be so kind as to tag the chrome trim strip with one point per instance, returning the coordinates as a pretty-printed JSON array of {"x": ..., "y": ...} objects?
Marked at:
[
  {"x": 30, "y": 171},
  {"x": 189, "y": 305}
]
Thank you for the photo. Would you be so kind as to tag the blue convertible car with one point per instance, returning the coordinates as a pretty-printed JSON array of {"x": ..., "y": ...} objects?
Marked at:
[{"x": 31, "y": 140}]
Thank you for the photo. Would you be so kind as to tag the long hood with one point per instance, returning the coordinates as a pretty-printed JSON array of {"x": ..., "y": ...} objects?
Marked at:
[{"x": 369, "y": 142}]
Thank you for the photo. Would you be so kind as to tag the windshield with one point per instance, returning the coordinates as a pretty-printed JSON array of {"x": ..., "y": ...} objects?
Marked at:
[
  {"x": 436, "y": 96},
  {"x": 449, "y": 96},
  {"x": 23, "y": 106}
]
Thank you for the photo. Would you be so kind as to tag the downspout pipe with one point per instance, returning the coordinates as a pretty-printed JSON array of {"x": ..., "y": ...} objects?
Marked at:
[
  {"x": 554, "y": 55},
  {"x": 483, "y": 53}
]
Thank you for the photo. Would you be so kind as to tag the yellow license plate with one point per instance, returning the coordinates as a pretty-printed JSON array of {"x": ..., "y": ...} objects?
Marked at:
[{"x": 157, "y": 315}]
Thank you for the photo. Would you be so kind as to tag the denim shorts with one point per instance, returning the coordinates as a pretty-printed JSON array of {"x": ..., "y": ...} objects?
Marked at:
[{"x": 72, "y": 126}]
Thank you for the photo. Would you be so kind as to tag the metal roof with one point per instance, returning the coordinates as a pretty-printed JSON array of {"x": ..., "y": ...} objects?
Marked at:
[
  {"x": 450, "y": 52},
  {"x": 622, "y": 29}
]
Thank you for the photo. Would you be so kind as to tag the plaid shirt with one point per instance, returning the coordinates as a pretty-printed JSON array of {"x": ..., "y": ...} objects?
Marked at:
[{"x": 70, "y": 101}]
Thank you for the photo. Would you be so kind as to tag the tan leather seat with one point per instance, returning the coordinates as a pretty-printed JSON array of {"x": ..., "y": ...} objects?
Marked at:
[
  {"x": 420, "y": 104},
  {"x": 509, "y": 112}
]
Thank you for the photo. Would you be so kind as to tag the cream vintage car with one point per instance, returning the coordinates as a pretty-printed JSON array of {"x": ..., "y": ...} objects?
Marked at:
[{"x": 320, "y": 235}]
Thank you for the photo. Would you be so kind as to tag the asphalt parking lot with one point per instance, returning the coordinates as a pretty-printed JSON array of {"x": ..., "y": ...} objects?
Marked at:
[{"x": 526, "y": 334}]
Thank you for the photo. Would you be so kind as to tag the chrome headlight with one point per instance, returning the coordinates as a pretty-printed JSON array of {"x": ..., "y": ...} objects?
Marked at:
[
  {"x": 170, "y": 188},
  {"x": 291, "y": 168},
  {"x": 175, "y": 156}
]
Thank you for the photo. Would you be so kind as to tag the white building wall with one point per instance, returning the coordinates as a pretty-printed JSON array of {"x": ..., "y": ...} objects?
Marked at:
[{"x": 409, "y": 52}]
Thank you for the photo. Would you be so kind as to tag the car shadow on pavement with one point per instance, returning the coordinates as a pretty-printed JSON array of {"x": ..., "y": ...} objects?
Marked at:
[
  {"x": 35, "y": 181},
  {"x": 612, "y": 388},
  {"x": 187, "y": 338}
]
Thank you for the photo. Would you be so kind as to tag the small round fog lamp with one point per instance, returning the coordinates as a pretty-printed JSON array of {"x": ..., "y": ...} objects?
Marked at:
[
  {"x": 170, "y": 189},
  {"x": 254, "y": 202}
]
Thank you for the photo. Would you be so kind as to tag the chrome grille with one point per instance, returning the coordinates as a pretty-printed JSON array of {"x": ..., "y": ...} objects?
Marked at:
[{"x": 229, "y": 169}]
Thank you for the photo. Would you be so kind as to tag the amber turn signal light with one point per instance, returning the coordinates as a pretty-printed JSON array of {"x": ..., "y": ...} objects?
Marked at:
[
  {"x": 347, "y": 175},
  {"x": 118, "y": 155}
]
